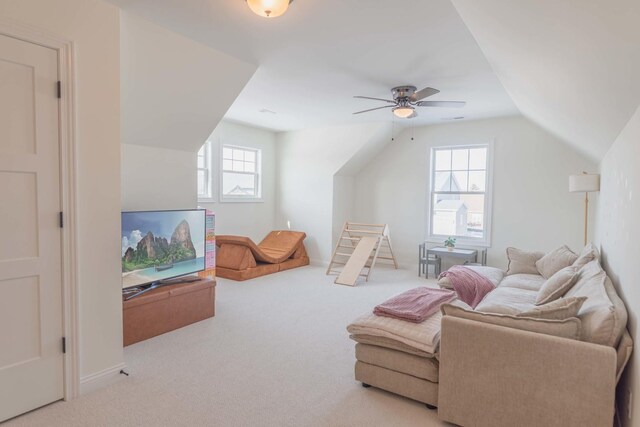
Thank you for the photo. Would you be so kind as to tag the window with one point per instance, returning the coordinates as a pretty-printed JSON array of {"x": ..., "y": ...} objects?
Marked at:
[
  {"x": 460, "y": 194},
  {"x": 204, "y": 172},
  {"x": 240, "y": 173}
]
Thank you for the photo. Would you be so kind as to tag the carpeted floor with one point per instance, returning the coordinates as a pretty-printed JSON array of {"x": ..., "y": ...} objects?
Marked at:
[{"x": 276, "y": 354}]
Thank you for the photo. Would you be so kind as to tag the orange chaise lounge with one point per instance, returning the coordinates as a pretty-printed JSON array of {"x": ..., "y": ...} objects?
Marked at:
[{"x": 238, "y": 258}]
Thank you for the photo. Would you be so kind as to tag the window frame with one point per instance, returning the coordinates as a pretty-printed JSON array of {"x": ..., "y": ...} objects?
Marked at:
[
  {"x": 485, "y": 241},
  {"x": 257, "y": 175},
  {"x": 208, "y": 169}
]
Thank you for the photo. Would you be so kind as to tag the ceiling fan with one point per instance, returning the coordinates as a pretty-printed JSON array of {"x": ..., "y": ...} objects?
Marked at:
[{"x": 406, "y": 98}]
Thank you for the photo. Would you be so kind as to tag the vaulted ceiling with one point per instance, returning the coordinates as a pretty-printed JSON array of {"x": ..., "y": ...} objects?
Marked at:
[
  {"x": 315, "y": 58},
  {"x": 571, "y": 66}
]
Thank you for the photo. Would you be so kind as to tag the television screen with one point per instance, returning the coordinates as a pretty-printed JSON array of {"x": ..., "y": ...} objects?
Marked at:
[{"x": 158, "y": 245}]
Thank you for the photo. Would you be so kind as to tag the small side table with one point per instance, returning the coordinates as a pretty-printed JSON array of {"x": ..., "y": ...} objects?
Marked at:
[{"x": 466, "y": 255}]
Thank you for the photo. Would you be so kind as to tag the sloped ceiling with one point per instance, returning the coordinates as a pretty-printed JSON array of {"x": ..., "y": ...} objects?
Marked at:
[
  {"x": 174, "y": 91},
  {"x": 572, "y": 66},
  {"x": 314, "y": 58}
]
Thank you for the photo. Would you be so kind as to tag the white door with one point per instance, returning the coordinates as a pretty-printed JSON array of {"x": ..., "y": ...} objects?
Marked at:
[{"x": 31, "y": 360}]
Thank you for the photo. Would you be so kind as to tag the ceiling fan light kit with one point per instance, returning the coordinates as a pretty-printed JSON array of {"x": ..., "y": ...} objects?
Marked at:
[
  {"x": 406, "y": 98},
  {"x": 403, "y": 112},
  {"x": 268, "y": 8}
]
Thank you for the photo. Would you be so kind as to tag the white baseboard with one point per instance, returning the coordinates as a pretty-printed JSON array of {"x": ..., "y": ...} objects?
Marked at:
[{"x": 101, "y": 379}]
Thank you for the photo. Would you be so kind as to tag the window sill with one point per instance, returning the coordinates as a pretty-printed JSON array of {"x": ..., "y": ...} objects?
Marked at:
[
  {"x": 242, "y": 200},
  {"x": 207, "y": 200},
  {"x": 460, "y": 242}
]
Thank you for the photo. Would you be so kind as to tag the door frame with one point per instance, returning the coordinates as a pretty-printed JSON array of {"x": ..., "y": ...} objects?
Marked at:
[{"x": 68, "y": 188}]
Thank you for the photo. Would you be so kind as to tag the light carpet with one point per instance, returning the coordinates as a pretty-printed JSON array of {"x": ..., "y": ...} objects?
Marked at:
[{"x": 276, "y": 354}]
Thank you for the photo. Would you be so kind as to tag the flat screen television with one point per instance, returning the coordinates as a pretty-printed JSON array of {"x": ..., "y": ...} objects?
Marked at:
[{"x": 161, "y": 245}]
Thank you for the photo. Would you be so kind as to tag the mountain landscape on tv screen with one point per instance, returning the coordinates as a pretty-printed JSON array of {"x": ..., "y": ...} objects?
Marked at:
[{"x": 155, "y": 251}]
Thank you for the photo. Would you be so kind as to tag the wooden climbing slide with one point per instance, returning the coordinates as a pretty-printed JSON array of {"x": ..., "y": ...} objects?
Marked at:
[{"x": 358, "y": 249}]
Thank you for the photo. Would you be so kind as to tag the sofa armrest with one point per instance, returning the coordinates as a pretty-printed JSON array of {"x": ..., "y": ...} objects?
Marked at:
[{"x": 498, "y": 376}]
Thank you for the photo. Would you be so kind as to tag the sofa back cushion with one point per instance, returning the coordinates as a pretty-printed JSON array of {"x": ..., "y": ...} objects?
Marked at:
[
  {"x": 555, "y": 261},
  {"x": 557, "y": 285},
  {"x": 568, "y": 328},
  {"x": 522, "y": 262},
  {"x": 559, "y": 309},
  {"x": 603, "y": 314}
]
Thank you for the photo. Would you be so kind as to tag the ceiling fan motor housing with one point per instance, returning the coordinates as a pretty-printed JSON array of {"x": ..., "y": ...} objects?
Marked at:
[{"x": 400, "y": 92}]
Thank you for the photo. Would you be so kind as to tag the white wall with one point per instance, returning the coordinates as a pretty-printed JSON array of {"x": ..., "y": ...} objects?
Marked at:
[
  {"x": 174, "y": 90},
  {"x": 307, "y": 162},
  {"x": 93, "y": 26},
  {"x": 252, "y": 219},
  {"x": 618, "y": 213},
  {"x": 532, "y": 208},
  {"x": 157, "y": 178}
]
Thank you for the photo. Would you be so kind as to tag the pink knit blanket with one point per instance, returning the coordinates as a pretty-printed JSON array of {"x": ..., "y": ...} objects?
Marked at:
[
  {"x": 415, "y": 305},
  {"x": 470, "y": 286}
]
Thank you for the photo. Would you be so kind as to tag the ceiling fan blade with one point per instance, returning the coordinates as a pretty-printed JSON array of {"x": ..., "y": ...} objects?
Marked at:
[
  {"x": 446, "y": 104},
  {"x": 424, "y": 93},
  {"x": 373, "y": 109},
  {"x": 375, "y": 99}
]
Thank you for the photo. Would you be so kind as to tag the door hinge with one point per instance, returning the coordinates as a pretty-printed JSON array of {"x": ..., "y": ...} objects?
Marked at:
[
  {"x": 64, "y": 345},
  {"x": 59, "y": 88},
  {"x": 61, "y": 220}
]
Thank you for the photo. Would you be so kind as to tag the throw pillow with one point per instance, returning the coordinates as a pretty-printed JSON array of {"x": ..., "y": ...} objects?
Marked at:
[
  {"x": 557, "y": 285},
  {"x": 589, "y": 253},
  {"x": 568, "y": 328},
  {"x": 555, "y": 261},
  {"x": 559, "y": 309},
  {"x": 445, "y": 283},
  {"x": 522, "y": 262}
]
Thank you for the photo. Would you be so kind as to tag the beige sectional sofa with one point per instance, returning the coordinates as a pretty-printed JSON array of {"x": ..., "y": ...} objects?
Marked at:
[{"x": 496, "y": 367}]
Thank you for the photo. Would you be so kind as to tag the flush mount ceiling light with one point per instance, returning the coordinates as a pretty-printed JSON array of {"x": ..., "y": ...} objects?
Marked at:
[
  {"x": 269, "y": 8},
  {"x": 403, "y": 112}
]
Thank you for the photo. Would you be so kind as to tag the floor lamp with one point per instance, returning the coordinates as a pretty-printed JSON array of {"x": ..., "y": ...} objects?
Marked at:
[{"x": 584, "y": 183}]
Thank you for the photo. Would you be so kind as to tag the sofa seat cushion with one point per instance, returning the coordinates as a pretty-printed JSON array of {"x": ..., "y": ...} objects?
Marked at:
[
  {"x": 416, "y": 366},
  {"x": 528, "y": 282},
  {"x": 603, "y": 314},
  {"x": 508, "y": 300},
  {"x": 390, "y": 344}
]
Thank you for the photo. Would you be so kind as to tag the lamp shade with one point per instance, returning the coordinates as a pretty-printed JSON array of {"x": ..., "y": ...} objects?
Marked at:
[
  {"x": 403, "y": 112},
  {"x": 584, "y": 183},
  {"x": 268, "y": 8}
]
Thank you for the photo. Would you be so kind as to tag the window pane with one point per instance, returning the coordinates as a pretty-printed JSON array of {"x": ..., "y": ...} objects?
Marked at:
[
  {"x": 238, "y": 154},
  {"x": 478, "y": 158},
  {"x": 443, "y": 160},
  {"x": 227, "y": 153},
  {"x": 227, "y": 165},
  {"x": 202, "y": 183},
  {"x": 459, "y": 182},
  {"x": 458, "y": 215},
  {"x": 236, "y": 184},
  {"x": 238, "y": 166},
  {"x": 475, "y": 214},
  {"x": 250, "y": 156},
  {"x": 249, "y": 167},
  {"x": 442, "y": 181},
  {"x": 477, "y": 181},
  {"x": 460, "y": 159}
]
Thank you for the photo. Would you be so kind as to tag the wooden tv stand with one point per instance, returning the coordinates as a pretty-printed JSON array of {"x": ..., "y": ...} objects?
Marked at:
[{"x": 167, "y": 308}]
